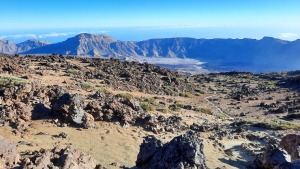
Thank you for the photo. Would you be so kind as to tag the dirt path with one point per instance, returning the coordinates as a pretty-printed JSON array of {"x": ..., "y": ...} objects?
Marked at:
[{"x": 217, "y": 108}]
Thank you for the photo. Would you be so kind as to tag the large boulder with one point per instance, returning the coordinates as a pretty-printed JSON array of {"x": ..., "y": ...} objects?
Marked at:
[
  {"x": 271, "y": 158},
  {"x": 291, "y": 143},
  {"x": 148, "y": 149},
  {"x": 9, "y": 156},
  {"x": 70, "y": 107},
  {"x": 59, "y": 157},
  {"x": 185, "y": 151}
]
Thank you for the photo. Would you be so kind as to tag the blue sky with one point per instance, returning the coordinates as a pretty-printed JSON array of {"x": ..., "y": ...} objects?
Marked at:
[{"x": 56, "y": 20}]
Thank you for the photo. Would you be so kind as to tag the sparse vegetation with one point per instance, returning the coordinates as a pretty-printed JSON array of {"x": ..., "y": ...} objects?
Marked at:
[
  {"x": 8, "y": 81},
  {"x": 188, "y": 95},
  {"x": 163, "y": 109},
  {"x": 202, "y": 110},
  {"x": 102, "y": 90},
  {"x": 125, "y": 96},
  {"x": 273, "y": 124},
  {"x": 147, "y": 106},
  {"x": 277, "y": 125},
  {"x": 86, "y": 86},
  {"x": 73, "y": 71},
  {"x": 170, "y": 91},
  {"x": 176, "y": 106},
  {"x": 199, "y": 91}
]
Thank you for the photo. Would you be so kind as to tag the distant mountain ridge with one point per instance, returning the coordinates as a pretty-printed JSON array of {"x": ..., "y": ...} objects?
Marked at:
[
  {"x": 9, "y": 47},
  {"x": 266, "y": 53}
]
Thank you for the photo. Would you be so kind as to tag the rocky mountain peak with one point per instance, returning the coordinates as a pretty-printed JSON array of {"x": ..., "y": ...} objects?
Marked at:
[
  {"x": 94, "y": 37},
  {"x": 37, "y": 41}
]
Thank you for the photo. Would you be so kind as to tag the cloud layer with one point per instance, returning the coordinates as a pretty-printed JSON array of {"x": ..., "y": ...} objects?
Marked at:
[
  {"x": 288, "y": 35},
  {"x": 46, "y": 35}
]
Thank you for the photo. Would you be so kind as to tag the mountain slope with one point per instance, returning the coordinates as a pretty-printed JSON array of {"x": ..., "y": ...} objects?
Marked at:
[
  {"x": 31, "y": 44},
  {"x": 82, "y": 44},
  {"x": 239, "y": 54},
  {"x": 9, "y": 47}
]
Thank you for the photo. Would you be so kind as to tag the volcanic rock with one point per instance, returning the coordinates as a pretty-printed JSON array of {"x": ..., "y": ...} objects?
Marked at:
[
  {"x": 59, "y": 157},
  {"x": 185, "y": 151}
]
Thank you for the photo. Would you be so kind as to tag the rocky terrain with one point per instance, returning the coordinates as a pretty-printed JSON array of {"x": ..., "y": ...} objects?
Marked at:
[{"x": 69, "y": 112}]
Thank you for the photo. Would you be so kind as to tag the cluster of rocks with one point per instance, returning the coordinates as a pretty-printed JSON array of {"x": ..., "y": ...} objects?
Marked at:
[
  {"x": 143, "y": 77},
  {"x": 121, "y": 75},
  {"x": 242, "y": 92},
  {"x": 288, "y": 105},
  {"x": 185, "y": 151},
  {"x": 23, "y": 103},
  {"x": 285, "y": 155},
  {"x": 204, "y": 127},
  {"x": 115, "y": 108},
  {"x": 14, "y": 65},
  {"x": 293, "y": 80},
  {"x": 59, "y": 157},
  {"x": 161, "y": 124}
]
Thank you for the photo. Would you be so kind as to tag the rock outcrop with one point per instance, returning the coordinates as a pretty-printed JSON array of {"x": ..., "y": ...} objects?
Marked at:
[
  {"x": 185, "y": 151},
  {"x": 70, "y": 107},
  {"x": 291, "y": 143},
  {"x": 284, "y": 156}
]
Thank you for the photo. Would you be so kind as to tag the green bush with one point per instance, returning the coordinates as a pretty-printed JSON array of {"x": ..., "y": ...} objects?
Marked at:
[
  {"x": 176, "y": 106},
  {"x": 163, "y": 109},
  {"x": 170, "y": 91},
  {"x": 188, "y": 95},
  {"x": 202, "y": 110},
  {"x": 205, "y": 111},
  {"x": 146, "y": 106},
  {"x": 125, "y": 96},
  {"x": 86, "y": 86},
  {"x": 102, "y": 90},
  {"x": 199, "y": 91},
  {"x": 150, "y": 100},
  {"x": 73, "y": 71},
  {"x": 9, "y": 81}
]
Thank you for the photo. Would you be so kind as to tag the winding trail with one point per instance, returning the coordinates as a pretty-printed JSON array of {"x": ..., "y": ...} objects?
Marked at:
[{"x": 216, "y": 107}]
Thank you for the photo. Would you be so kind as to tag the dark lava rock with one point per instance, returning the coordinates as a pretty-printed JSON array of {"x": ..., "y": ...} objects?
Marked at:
[
  {"x": 204, "y": 127},
  {"x": 63, "y": 135},
  {"x": 291, "y": 143},
  {"x": 185, "y": 151},
  {"x": 70, "y": 107},
  {"x": 271, "y": 158}
]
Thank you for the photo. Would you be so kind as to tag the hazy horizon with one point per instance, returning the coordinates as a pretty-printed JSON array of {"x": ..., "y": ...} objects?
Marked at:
[
  {"x": 129, "y": 34},
  {"x": 134, "y": 20}
]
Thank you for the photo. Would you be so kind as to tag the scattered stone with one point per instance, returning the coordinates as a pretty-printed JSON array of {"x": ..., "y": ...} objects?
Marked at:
[{"x": 59, "y": 157}]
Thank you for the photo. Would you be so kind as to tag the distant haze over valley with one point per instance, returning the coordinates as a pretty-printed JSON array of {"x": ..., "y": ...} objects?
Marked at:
[{"x": 264, "y": 55}]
